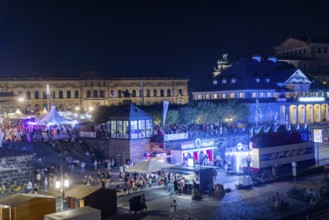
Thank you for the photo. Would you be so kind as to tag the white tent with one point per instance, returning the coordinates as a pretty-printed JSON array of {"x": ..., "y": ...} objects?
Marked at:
[
  {"x": 17, "y": 114},
  {"x": 43, "y": 113},
  {"x": 53, "y": 118},
  {"x": 148, "y": 166}
]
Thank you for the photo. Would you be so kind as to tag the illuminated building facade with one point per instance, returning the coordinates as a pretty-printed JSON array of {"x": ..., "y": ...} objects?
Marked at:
[
  {"x": 33, "y": 94},
  {"x": 274, "y": 91},
  {"x": 309, "y": 54}
]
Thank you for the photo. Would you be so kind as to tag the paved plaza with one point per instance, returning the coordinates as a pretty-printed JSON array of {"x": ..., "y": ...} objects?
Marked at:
[{"x": 238, "y": 204}]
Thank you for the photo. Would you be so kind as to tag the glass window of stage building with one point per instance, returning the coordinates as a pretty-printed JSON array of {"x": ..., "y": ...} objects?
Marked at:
[{"x": 141, "y": 128}]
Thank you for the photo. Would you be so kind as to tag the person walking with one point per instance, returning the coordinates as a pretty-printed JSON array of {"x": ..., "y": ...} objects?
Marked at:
[
  {"x": 82, "y": 166},
  {"x": 173, "y": 207}
]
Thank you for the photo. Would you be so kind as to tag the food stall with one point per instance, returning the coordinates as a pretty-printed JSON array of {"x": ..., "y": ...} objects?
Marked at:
[{"x": 203, "y": 176}]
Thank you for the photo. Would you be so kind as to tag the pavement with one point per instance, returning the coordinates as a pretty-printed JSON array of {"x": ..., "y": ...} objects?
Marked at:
[{"x": 237, "y": 204}]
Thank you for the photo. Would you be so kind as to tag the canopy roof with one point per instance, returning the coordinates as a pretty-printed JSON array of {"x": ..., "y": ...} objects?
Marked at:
[
  {"x": 43, "y": 113},
  {"x": 148, "y": 166},
  {"x": 17, "y": 114},
  {"x": 53, "y": 118}
]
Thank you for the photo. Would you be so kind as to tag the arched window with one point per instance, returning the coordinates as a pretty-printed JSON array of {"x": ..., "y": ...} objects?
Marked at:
[
  {"x": 126, "y": 94},
  {"x": 95, "y": 93},
  {"x": 180, "y": 92},
  {"x": 101, "y": 94},
  {"x": 168, "y": 92},
  {"x": 20, "y": 93},
  {"x": 119, "y": 93},
  {"x": 162, "y": 93},
  {"x": 60, "y": 94},
  {"x": 112, "y": 94},
  {"x": 68, "y": 94},
  {"x": 88, "y": 94},
  {"x": 76, "y": 94},
  {"x": 133, "y": 93},
  {"x": 28, "y": 95},
  {"x": 148, "y": 93},
  {"x": 155, "y": 93},
  {"x": 36, "y": 94},
  {"x": 44, "y": 95}
]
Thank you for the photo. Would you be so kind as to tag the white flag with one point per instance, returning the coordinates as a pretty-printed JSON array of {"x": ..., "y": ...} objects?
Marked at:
[{"x": 165, "y": 110}]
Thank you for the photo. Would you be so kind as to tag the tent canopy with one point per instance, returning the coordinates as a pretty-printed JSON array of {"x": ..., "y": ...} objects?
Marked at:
[
  {"x": 43, "y": 113},
  {"x": 148, "y": 166},
  {"x": 53, "y": 118}
]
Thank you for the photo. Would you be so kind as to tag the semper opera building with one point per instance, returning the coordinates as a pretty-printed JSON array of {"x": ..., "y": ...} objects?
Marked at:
[
  {"x": 32, "y": 94},
  {"x": 274, "y": 91}
]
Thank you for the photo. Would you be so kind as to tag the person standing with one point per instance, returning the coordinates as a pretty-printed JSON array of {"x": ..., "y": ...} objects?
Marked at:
[
  {"x": 38, "y": 177},
  {"x": 173, "y": 207},
  {"x": 82, "y": 166},
  {"x": 45, "y": 182},
  {"x": 175, "y": 187}
]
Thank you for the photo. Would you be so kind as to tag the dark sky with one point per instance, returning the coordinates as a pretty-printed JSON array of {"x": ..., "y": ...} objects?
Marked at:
[{"x": 147, "y": 38}]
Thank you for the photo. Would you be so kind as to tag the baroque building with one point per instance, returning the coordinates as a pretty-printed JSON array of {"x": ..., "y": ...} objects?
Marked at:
[
  {"x": 309, "y": 54},
  {"x": 274, "y": 91},
  {"x": 31, "y": 95}
]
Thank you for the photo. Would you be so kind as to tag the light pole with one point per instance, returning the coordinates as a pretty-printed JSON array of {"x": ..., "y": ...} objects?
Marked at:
[
  {"x": 61, "y": 184},
  {"x": 47, "y": 91}
]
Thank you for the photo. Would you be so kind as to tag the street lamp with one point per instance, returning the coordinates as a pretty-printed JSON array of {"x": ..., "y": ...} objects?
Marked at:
[
  {"x": 61, "y": 184},
  {"x": 20, "y": 100}
]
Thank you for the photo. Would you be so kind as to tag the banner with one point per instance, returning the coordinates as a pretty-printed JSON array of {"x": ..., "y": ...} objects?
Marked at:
[{"x": 165, "y": 110}]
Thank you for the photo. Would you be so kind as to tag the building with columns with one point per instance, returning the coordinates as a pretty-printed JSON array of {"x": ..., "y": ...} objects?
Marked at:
[
  {"x": 31, "y": 95},
  {"x": 274, "y": 91}
]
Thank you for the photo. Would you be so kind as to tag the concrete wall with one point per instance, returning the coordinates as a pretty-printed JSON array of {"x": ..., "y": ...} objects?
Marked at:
[{"x": 17, "y": 170}]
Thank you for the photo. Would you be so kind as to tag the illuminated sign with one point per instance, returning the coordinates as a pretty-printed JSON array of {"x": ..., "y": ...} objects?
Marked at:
[
  {"x": 187, "y": 145},
  {"x": 287, "y": 154},
  {"x": 198, "y": 143},
  {"x": 171, "y": 137},
  {"x": 311, "y": 99},
  {"x": 317, "y": 136}
]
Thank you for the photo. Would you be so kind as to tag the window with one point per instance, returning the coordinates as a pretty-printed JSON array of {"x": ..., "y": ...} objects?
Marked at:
[
  {"x": 168, "y": 92},
  {"x": 36, "y": 95},
  {"x": 119, "y": 93},
  {"x": 224, "y": 96},
  {"x": 60, "y": 94},
  {"x": 180, "y": 92},
  {"x": 199, "y": 97},
  {"x": 101, "y": 94},
  {"x": 232, "y": 95},
  {"x": 134, "y": 93},
  {"x": 95, "y": 94},
  {"x": 207, "y": 96},
  {"x": 113, "y": 129},
  {"x": 241, "y": 95},
  {"x": 162, "y": 93},
  {"x": 119, "y": 129},
  {"x": 233, "y": 80},
  {"x": 112, "y": 94},
  {"x": 254, "y": 95},
  {"x": 261, "y": 95},
  {"x": 148, "y": 93},
  {"x": 215, "y": 96},
  {"x": 133, "y": 129},
  {"x": 76, "y": 94},
  {"x": 44, "y": 95},
  {"x": 223, "y": 81},
  {"x": 28, "y": 95},
  {"x": 268, "y": 94},
  {"x": 149, "y": 128},
  {"x": 68, "y": 94},
  {"x": 141, "y": 128},
  {"x": 155, "y": 93},
  {"x": 88, "y": 94}
]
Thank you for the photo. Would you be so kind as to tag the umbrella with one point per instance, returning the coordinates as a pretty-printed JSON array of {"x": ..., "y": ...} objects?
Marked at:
[{"x": 148, "y": 166}]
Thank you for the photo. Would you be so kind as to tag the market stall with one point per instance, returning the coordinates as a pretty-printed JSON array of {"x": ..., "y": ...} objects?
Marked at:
[{"x": 203, "y": 176}]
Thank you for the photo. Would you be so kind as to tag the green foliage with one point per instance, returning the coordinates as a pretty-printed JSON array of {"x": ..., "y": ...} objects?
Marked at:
[{"x": 172, "y": 117}]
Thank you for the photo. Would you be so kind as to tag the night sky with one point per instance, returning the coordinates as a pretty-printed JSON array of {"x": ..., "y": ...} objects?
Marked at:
[{"x": 147, "y": 38}]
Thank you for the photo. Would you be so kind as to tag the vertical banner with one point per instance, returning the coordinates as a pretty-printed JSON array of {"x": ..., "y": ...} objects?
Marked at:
[
  {"x": 165, "y": 110},
  {"x": 257, "y": 113}
]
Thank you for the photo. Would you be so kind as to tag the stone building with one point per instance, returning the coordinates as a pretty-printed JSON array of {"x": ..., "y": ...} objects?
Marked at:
[
  {"x": 274, "y": 91},
  {"x": 86, "y": 92},
  {"x": 309, "y": 54}
]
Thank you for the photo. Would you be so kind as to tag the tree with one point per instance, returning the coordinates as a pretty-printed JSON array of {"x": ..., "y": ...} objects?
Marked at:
[{"x": 172, "y": 117}]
